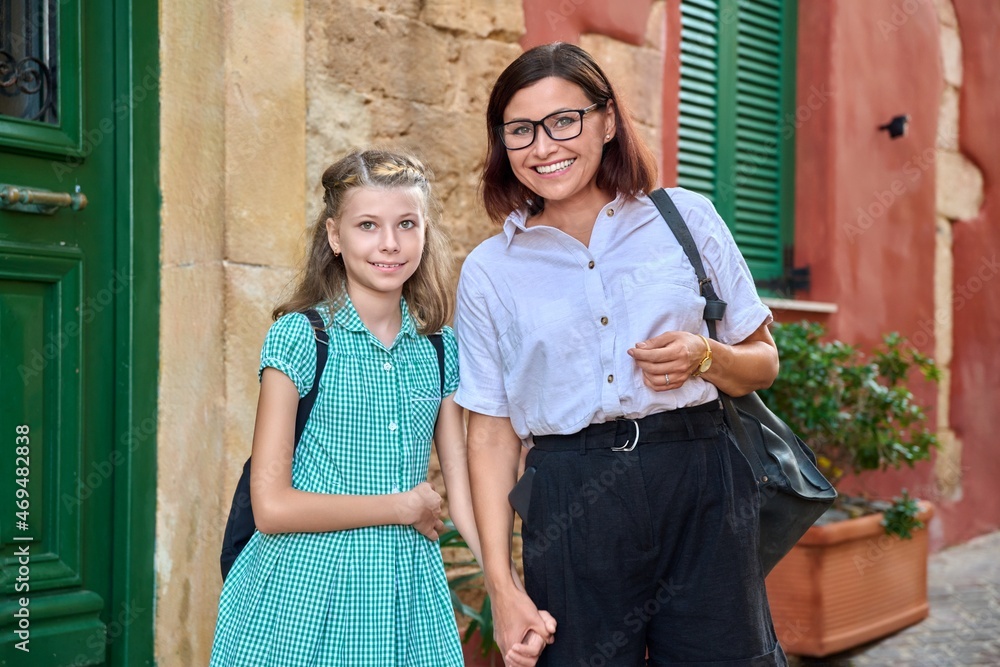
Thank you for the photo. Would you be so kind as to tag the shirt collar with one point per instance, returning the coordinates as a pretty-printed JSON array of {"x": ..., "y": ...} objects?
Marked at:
[
  {"x": 517, "y": 221},
  {"x": 346, "y": 317}
]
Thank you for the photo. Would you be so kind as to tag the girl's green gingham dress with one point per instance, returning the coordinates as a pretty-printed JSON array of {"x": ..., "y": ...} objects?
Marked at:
[{"x": 352, "y": 598}]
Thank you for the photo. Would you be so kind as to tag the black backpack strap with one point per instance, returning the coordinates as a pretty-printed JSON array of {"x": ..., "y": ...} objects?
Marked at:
[
  {"x": 438, "y": 344},
  {"x": 322, "y": 351},
  {"x": 715, "y": 307}
]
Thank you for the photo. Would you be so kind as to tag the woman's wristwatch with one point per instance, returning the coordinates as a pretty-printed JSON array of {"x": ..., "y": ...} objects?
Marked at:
[{"x": 706, "y": 362}]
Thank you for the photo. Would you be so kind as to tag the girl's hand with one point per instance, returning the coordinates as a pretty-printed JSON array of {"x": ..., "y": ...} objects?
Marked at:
[
  {"x": 421, "y": 508},
  {"x": 526, "y": 652}
]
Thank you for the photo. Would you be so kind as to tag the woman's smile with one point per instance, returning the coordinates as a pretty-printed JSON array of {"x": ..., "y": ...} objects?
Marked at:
[{"x": 554, "y": 168}]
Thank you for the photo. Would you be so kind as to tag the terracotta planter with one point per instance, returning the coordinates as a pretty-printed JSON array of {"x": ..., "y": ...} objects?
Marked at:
[{"x": 847, "y": 583}]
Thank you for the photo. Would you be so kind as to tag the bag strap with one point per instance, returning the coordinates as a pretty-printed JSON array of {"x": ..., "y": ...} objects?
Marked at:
[
  {"x": 322, "y": 351},
  {"x": 715, "y": 308},
  {"x": 438, "y": 344}
]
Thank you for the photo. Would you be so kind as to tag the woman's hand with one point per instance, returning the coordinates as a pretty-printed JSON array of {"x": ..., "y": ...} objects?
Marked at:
[
  {"x": 421, "y": 508},
  {"x": 521, "y": 629},
  {"x": 667, "y": 361},
  {"x": 526, "y": 652}
]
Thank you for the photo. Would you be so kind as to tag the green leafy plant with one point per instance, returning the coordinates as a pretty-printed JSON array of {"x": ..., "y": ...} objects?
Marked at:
[
  {"x": 854, "y": 409},
  {"x": 901, "y": 517},
  {"x": 465, "y": 579}
]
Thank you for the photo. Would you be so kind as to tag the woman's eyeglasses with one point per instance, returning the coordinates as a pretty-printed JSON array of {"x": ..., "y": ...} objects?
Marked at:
[{"x": 560, "y": 126}]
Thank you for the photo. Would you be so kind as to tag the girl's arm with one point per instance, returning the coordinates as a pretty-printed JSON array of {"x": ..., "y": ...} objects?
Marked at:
[
  {"x": 279, "y": 508},
  {"x": 449, "y": 438}
]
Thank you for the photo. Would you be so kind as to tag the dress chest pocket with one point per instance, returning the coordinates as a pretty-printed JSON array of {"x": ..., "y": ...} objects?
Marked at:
[{"x": 424, "y": 405}]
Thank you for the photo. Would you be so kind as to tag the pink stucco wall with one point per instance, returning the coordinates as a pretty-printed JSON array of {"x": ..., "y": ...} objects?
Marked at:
[
  {"x": 865, "y": 212},
  {"x": 865, "y": 204},
  {"x": 976, "y": 363}
]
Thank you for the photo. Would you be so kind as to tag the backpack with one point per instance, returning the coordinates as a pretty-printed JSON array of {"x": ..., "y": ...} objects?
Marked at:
[{"x": 240, "y": 526}]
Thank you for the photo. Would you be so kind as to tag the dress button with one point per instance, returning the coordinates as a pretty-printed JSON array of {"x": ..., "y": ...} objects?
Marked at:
[
  {"x": 611, "y": 212},
  {"x": 604, "y": 320},
  {"x": 395, "y": 488},
  {"x": 387, "y": 366},
  {"x": 591, "y": 265},
  {"x": 393, "y": 426},
  {"x": 611, "y": 378}
]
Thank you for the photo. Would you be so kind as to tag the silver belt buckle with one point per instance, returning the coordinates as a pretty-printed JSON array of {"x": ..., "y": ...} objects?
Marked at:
[{"x": 629, "y": 444}]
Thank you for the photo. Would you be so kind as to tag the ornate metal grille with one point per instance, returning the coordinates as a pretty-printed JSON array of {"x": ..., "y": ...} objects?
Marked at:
[{"x": 29, "y": 56}]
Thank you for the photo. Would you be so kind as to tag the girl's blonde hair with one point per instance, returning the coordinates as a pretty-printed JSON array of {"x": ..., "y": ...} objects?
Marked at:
[{"x": 428, "y": 292}]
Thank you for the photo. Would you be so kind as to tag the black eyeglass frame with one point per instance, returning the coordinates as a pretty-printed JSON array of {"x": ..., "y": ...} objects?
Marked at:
[{"x": 535, "y": 123}]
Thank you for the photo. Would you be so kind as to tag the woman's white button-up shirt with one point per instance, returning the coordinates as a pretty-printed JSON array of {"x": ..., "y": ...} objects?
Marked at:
[{"x": 544, "y": 322}]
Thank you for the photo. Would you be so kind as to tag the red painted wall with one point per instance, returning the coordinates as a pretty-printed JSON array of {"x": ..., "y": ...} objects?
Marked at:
[
  {"x": 565, "y": 20},
  {"x": 548, "y": 21},
  {"x": 671, "y": 94},
  {"x": 865, "y": 210},
  {"x": 976, "y": 308},
  {"x": 865, "y": 204}
]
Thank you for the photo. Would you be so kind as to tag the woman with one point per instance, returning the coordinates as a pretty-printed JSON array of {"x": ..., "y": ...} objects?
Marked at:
[{"x": 581, "y": 335}]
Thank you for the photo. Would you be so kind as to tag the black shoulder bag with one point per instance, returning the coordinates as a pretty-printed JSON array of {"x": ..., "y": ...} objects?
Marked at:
[
  {"x": 793, "y": 491},
  {"x": 240, "y": 526}
]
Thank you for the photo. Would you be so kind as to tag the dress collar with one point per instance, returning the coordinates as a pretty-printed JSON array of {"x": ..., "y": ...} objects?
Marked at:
[{"x": 346, "y": 317}]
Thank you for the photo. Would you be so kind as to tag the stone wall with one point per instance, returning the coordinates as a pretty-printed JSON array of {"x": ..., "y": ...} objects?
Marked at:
[
  {"x": 258, "y": 97},
  {"x": 959, "y": 197},
  {"x": 232, "y": 166},
  {"x": 409, "y": 74},
  {"x": 418, "y": 74}
]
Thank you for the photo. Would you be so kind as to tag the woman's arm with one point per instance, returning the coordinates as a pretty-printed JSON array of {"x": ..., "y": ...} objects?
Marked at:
[
  {"x": 449, "y": 438},
  {"x": 279, "y": 508},
  {"x": 737, "y": 370},
  {"x": 494, "y": 456}
]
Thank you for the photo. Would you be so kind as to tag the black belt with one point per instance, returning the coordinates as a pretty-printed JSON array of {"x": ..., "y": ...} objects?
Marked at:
[{"x": 623, "y": 435}]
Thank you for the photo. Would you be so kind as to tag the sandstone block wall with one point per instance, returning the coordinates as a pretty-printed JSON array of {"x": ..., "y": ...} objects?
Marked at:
[
  {"x": 258, "y": 97},
  {"x": 418, "y": 75},
  {"x": 414, "y": 75},
  {"x": 232, "y": 165}
]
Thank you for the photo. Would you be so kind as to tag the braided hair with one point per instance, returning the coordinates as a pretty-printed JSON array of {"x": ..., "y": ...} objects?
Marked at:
[{"x": 428, "y": 292}]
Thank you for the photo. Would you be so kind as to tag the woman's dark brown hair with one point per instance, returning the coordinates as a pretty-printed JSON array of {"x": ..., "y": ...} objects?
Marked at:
[{"x": 627, "y": 165}]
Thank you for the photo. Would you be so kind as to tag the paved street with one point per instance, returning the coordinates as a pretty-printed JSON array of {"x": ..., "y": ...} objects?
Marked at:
[{"x": 963, "y": 628}]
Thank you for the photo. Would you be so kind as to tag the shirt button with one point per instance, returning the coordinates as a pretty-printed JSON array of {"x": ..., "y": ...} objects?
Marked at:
[
  {"x": 395, "y": 488},
  {"x": 604, "y": 320},
  {"x": 591, "y": 265},
  {"x": 611, "y": 378},
  {"x": 611, "y": 212},
  {"x": 393, "y": 426},
  {"x": 387, "y": 366}
]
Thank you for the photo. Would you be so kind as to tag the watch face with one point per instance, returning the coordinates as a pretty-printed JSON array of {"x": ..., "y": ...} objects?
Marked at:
[{"x": 705, "y": 365}]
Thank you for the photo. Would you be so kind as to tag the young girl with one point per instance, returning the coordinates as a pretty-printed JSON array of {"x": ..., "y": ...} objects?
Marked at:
[{"x": 344, "y": 568}]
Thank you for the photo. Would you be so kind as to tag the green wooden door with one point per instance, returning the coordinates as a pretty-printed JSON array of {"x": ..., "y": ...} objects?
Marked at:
[{"x": 61, "y": 283}]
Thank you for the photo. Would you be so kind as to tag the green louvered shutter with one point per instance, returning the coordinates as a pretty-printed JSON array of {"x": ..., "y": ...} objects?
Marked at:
[
  {"x": 697, "y": 168},
  {"x": 746, "y": 49}
]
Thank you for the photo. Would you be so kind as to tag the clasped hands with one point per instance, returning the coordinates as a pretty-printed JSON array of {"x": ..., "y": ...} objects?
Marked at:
[{"x": 521, "y": 629}]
